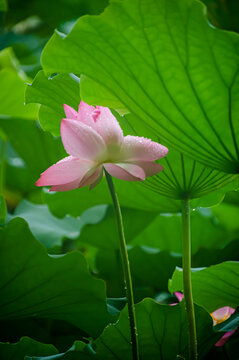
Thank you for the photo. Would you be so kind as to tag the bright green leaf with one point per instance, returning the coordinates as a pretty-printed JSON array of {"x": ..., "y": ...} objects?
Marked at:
[
  {"x": 163, "y": 62},
  {"x": 52, "y": 94},
  {"x": 39, "y": 150},
  {"x": 13, "y": 81},
  {"x": 182, "y": 176},
  {"x": 228, "y": 215}
]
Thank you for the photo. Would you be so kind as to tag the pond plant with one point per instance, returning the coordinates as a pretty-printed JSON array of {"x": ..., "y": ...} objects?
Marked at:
[{"x": 145, "y": 92}]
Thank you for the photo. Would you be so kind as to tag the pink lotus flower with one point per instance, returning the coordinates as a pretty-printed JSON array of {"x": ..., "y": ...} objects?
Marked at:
[
  {"x": 94, "y": 140},
  {"x": 218, "y": 316}
]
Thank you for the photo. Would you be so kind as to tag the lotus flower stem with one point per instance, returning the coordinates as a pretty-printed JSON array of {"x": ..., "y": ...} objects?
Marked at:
[
  {"x": 126, "y": 269},
  {"x": 187, "y": 285}
]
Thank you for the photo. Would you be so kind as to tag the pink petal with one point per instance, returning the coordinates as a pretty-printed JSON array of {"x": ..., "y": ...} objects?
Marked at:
[
  {"x": 85, "y": 112},
  {"x": 66, "y": 187},
  {"x": 92, "y": 178},
  {"x": 222, "y": 314},
  {"x": 65, "y": 171},
  {"x": 70, "y": 112},
  {"x": 139, "y": 148},
  {"x": 179, "y": 295},
  {"x": 225, "y": 338},
  {"x": 81, "y": 140},
  {"x": 129, "y": 172},
  {"x": 150, "y": 168},
  {"x": 107, "y": 126}
]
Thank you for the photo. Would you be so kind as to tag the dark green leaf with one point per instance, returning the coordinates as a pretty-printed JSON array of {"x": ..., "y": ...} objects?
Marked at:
[
  {"x": 213, "y": 287},
  {"x": 162, "y": 333},
  {"x": 26, "y": 346},
  {"x": 39, "y": 285},
  {"x": 164, "y": 233},
  {"x": 104, "y": 234}
]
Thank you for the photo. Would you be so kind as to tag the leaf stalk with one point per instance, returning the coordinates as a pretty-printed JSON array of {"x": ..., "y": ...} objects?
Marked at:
[
  {"x": 126, "y": 268},
  {"x": 187, "y": 284}
]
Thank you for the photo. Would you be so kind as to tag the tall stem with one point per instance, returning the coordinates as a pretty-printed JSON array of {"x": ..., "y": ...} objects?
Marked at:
[
  {"x": 187, "y": 284},
  {"x": 126, "y": 269}
]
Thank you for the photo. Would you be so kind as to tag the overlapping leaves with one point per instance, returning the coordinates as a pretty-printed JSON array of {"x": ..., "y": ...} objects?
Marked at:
[
  {"x": 163, "y": 62},
  {"x": 39, "y": 285}
]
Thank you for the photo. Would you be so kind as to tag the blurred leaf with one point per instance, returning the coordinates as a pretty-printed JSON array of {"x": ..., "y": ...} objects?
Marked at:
[
  {"x": 228, "y": 215},
  {"x": 48, "y": 331},
  {"x": 45, "y": 227},
  {"x": 37, "y": 148},
  {"x": 79, "y": 350},
  {"x": 130, "y": 195},
  {"x": 148, "y": 279},
  {"x": 207, "y": 257},
  {"x": 52, "y": 94},
  {"x": 58, "y": 11},
  {"x": 213, "y": 287},
  {"x": 99, "y": 220},
  {"x": 158, "y": 267},
  {"x": 104, "y": 234},
  {"x": 12, "y": 91},
  {"x": 57, "y": 287},
  {"x": 3, "y": 5},
  {"x": 160, "y": 60},
  {"x": 223, "y": 14},
  {"x": 10, "y": 61},
  {"x": 232, "y": 197},
  {"x": 12, "y": 96},
  {"x": 25, "y": 346},
  {"x": 164, "y": 233},
  {"x": 3, "y": 210}
]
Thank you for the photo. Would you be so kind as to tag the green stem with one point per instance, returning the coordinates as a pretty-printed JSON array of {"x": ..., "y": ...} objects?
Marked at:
[
  {"x": 126, "y": 269},
  {"x": 187, "y": 284}
]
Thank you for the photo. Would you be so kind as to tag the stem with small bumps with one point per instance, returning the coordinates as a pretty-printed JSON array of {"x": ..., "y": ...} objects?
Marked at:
[{"x": 126, "y": 269}]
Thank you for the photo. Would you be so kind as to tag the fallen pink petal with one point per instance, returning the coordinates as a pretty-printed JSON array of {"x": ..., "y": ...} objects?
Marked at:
[
  {"x": 94, "y": 141},
  {"x": 218, "y": 316}
]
